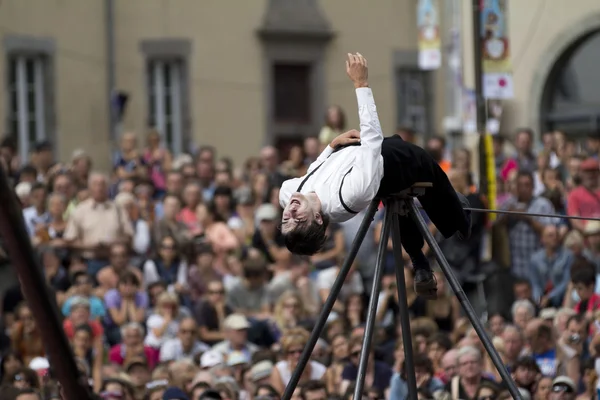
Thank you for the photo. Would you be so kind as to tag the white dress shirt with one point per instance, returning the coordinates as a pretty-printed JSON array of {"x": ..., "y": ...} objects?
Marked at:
[
  {"x": 346, "y": 181},
  {"x": 172, "y": 350}
]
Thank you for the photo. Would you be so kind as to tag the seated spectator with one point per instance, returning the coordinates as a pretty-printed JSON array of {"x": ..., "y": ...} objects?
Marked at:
[
  {"x": 168, "y": 266},
  {"x": 124, "y": 304},
  {"x": 163, "y": 324},
  {"x": 424, "y": 374},
  {"x": 25, "y": 336},
  {"x": 314, "y": 390},
  {"x": 54, "y": 272},
  {"x": 82, "y": 287},
  {"x": 470, "y": 376},
  {"x": 378, "y": 374},
  {"x": 186, "y": 345},
  {"x": 522, "y": 312},
  {"x": 80, "y": 315},
  {"x": 168, "y": 224},
  {"x": 292, "y": 343},
  {"x": 108, "y": 277},
  {"x": 37, "y": 214},
  {"x": 267, "y": 238},
  {"x": 236, "y": 336},
  {"x": 563, "y": 388},
  {"x": 211, "y": 312},
  {"x": 217, "y": 234},
  {"x": 514, "y": 343},
  {"x": 251, "y": 297},
  {"x": 10, "y": 362},
  {"x": 139, "y": 373},
  {"x": 584, "y": 283},
  {"x": 295, "y": 276},
  {"x": 352, "y": 285},
  {"x": 132, "y": 347},
  {"x": 202, "y": 271},
  {"x": 83, "y": 349},
  {"x": 289, "y": 313},
  {"x": 525, "y": 373}
]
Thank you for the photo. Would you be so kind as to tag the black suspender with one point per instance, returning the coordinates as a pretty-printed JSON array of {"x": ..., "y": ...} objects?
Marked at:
[{"x": 348, "y": 209}]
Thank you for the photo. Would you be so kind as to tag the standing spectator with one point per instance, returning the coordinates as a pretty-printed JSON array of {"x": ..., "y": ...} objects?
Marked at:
[
  {"x": 269, "y": 161},
  {"x": 51, "y": 233},
  {"x": 192, "y": 197},
  {"x": 36, "y": 215},
  {"x": 128, "y": 163},
  {"x": 335, "y": 123},
  {"x": 525, "y": 231},
  {"x": 97, "y": 223},
  {"x": 185, "y": 345},
  {"x": 436, "y": 148},
  {"x": 158, "y": 159},
  {"x": 584, "y": 200},
  {"x": 584, "y": 283},
  {"x": 168, "y": 224},
  {"x": 43, "y": 160},
  {"x": 141, "y": 236},
  {"x": 525, "y": 158},
  {"x": 549, "y": 269},
  {"x": 25, "y": 336}
]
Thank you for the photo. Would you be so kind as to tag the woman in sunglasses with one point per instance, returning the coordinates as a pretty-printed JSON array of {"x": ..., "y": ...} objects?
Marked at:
[
  {"x": 378, "y": 374},
  {"x": 292, "y": 344},
  {"x": 25, "y": 378}
]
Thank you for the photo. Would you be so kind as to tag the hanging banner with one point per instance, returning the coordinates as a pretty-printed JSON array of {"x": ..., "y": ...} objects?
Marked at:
[
  {"x": 428, "y": 23},
  {"x": 469, "y": 111},
  {"x": 497, "y": 68}
]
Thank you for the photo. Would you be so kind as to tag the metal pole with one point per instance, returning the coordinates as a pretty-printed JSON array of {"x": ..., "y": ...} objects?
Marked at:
[
  {"x": 109, "y": 24},
  {"x": 409, "y": 364},
  {"x": 479, "y": 99},
  {"x": 372, "y": 310},
  {"x": 464, "y": 301},
  {"x": 35, "y": 290},
  {"x": 328, "y": 306}
]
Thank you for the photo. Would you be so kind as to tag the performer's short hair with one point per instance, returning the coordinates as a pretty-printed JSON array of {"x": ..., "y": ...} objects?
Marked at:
[{"x": 307, "y": 239}]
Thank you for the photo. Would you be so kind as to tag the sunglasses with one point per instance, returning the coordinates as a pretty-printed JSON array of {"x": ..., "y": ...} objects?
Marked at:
[
  {"x": 19, "y": 378},
  {"x": 167, "y": 247},
  {"x": 562, "y": 388},
  {"x": 216, "y": 292},
  {"x": 294, "y": 351},
  {"x": 355, "y": 354}
]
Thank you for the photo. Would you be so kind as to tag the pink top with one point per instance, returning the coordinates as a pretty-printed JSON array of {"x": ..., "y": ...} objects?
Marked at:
[
  {"x": 157, "y": 174},
  {"x": 583, "y": 203},
  {"x": 188, "y": 217},
  {"x": 117, "y": 353}
]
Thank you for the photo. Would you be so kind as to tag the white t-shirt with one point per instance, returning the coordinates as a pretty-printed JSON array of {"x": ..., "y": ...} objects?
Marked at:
[
  {"x": 353, "y": 284},
  {"x": 156, "y": 321},
  {"x": 317, "y": 370}
]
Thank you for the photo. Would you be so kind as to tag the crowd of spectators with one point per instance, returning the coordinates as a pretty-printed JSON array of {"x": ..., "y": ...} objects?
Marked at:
[{"x": 174, "y": 281}]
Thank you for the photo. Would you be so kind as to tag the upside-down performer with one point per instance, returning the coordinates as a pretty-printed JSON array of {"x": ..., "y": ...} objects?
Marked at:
[{"x": 359, "y": 166}]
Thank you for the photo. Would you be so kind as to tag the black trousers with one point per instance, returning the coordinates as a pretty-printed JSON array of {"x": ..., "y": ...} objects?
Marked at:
[{"x": 405, "y": 164}]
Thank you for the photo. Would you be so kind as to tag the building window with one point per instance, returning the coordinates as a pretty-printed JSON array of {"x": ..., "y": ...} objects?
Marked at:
[
  {"x": 165, "y": 98},
  {"x": 413, "y": 94},
  {"x": 27, "y": 87},
  {"x": 291, "y": 86}
]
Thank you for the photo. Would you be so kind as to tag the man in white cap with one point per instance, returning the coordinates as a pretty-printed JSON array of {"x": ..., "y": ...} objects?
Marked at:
[{"x": 236, "y": 336}]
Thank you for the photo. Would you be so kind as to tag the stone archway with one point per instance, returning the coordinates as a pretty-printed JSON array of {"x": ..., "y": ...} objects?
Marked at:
[{"x": 553, "y": 58}]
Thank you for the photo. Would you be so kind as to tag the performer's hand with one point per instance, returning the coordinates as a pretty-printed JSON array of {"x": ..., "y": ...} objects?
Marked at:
[
  {"x": 346, "y": 138},
  {"x": 357, "y": 70}
]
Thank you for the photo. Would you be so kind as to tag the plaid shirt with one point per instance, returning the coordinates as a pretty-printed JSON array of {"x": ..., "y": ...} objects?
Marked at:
[{"x": 523, "y": 239}]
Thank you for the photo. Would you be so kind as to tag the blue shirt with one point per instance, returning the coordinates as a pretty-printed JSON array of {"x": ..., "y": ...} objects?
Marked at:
[
  {"x": 555, "y": 270},
  {"x": 547, "y": 362}
]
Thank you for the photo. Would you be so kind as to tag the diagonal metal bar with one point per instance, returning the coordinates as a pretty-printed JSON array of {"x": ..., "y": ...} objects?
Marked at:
[
  {"x": 328, "y": 306},
  {"x": 35, "y": 290},
  {"x": 372, "y": 310},
  {"x": 411, "y": 379},
  {"x": 415, "y": 214}
]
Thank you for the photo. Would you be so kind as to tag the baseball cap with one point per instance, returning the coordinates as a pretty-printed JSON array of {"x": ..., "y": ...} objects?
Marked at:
[
  {"x": 261, "y": 370},
  {"x": 266, "y": 212},
  {"x": 236, "y": 322},
  {"x": 135, "y": 363},
  {"x": 563, "y": 382},
  {"x": 211, "y": 358},
  {"x": 237, "y": 358}
]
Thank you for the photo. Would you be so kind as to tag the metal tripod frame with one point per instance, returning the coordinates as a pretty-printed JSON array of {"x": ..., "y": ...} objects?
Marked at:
[{"x": 398, "y": 205}]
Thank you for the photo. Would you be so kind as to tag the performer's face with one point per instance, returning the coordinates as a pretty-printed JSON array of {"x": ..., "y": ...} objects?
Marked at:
[{"x": 299, "y": 211}]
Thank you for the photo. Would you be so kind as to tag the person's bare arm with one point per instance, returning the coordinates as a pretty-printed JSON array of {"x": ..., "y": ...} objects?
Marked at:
[
  {"x": 276, "y": 381},
  {"x": 210, "y": 336},
  {"x": 97, "y": 366}
]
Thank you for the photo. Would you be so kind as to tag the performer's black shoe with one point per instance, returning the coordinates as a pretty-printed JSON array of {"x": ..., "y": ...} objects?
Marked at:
[
  {"x": 465, "y": 234},
  {"x": 425, "y": 283}
]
